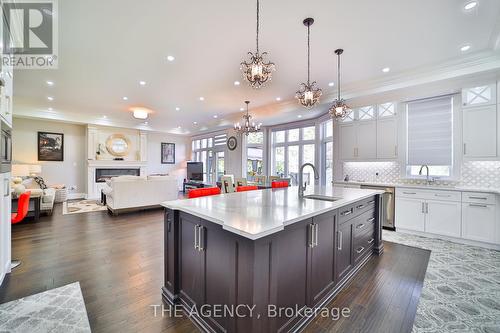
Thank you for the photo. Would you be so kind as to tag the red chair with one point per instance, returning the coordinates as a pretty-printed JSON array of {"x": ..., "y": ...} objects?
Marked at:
[
  {"x": 246, "y": 188},
  {"x": 279, "y": 184},
  {"x": 23, "y": 205},
  {"x": 203, "y": 192}
]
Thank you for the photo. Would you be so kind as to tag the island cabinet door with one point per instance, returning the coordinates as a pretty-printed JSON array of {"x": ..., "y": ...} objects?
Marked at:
[
  {"x": 343, "y": 250},
  {"x": 169, "y": 254},
  {"x": 321, "y": 261},
  {"x": 191, "y": 286}
]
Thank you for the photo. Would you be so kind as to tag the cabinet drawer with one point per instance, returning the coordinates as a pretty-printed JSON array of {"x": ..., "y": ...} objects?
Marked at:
[
  {"x": 429, "y": 194},
  {"x": 364, "y": 223},
  {"x": 363, "y": 245},
  {"x": 351, "y": 211},
  {"x": 478, "y": 197}
]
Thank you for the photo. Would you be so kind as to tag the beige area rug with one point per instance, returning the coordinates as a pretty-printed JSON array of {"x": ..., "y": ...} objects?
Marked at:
[{"x": 82, "y": 206}]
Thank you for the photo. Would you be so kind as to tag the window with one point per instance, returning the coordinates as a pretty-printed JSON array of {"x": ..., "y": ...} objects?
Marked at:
[
  {"x": 478, "y": 95},
  {"x": 204, "y": 150},
  {"x": 290, "y": 149},
  {"x": 255, "y": 154},
  {"x": 366, "y": 113},
  {"x": 430, "y": 136},
  {"x": 386, "y": 110},
  {"x": 327, "y": 153}
]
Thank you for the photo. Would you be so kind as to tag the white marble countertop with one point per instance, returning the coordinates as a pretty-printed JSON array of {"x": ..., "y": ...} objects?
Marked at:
[
  {"x": 428, "y": 187},
  {"x": 256, "y": 214}
]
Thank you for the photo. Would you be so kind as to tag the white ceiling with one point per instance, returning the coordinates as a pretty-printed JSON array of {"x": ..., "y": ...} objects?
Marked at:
[{"x": 107, "y": 47}]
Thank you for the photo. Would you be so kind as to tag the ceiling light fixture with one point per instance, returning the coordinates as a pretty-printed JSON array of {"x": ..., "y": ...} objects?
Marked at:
[
  {"x": 278, "y": 99},
  {"x": 242, "y": 109},
  {"x": 470, "y": 5},
  {"x": 339, "y": 108},
  {"x": 331, "y": 84},
  {"x": 257, "y": 72},
  {"x": 125, "y": 98},
  {"x": 465, "y": 48},
  {"x": 195, "y": 123},
  {"x": 248, "y": 126},
  {"x": 236, "y": 83},
  {"x": 50, "y": 83},
  {"x": 299, "y": 116},
  {"x": 177, "y": 108},
  {"x": 50, "y": 109},
  {"x": 104, "y": 117},
  {"x": 202, "y": 98},
  {"x": 170, "y": 58},
  {"x": 216, "y": 116},
  {"x": 142, "y": 83},
  {"x": 386, "y": 69},
  {"x": 50, "y": 98},
  {"x": 309, "y": 94},
  {"x": 140, "y": 114}
]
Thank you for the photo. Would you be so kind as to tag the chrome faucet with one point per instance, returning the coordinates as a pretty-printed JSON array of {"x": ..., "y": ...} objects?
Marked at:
[
  {"x": 429, "y": 179},
  {"x": 303, "y": 186}
]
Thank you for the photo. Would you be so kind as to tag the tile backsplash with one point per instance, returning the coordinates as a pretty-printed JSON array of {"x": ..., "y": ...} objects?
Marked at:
[{"x": 474, "y": 173}]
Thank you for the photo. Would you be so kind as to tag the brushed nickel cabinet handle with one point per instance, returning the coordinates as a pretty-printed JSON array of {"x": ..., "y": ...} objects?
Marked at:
[
  {"x": 201, "y": 238},
  {"x": 442, "y": 195},
  {"x": 196, "y": 237},
  {"x": 359, "y": 250},
  {"x": 465, "y": 149},
  {"x": 360, "y": 206},
  {"x": 370, "y": 219},
  {"x": 477, "y": 205},
  {"x": 371, "y": 240},
  {"x": 347, "y": 212},
  {"x": 360, "y": 226},
  {"x": 409, "y": 193},
  {"x": 339, "y": 247},
  {"x": 478, "y": 198},
  {"x": 371, "y": 201},
  {"x": 311, "y": 235},
  {"x": 316, "y": 228},
  {"x": 423, "y": 207}
]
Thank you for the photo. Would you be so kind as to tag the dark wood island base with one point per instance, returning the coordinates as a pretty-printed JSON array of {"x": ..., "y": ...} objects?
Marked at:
[{"x": 293, "y": 271}]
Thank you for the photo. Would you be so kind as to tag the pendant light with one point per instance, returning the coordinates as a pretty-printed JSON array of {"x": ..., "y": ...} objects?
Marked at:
[
  {"x": 309, "y": 94},
  {"x": 256, "y": 71},
  {"x": 248, "y": 126},
  {"x": 339, "y": 108}
]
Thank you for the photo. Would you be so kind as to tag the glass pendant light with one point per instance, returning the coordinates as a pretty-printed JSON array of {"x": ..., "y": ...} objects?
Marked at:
[{"x": 339, "y": 108}]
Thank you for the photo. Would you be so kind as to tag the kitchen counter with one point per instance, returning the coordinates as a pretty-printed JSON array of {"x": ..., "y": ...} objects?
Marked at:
[
  {"x": 266, "y": 249},
  {"x": 459, "y": 188},
  {"x": 257, "y": 214}
]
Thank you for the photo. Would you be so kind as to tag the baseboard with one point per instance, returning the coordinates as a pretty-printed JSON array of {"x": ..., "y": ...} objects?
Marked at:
[{"x": 73, "y": 196}]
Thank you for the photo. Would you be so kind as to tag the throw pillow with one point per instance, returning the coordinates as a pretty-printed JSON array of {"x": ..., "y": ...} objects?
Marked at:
[{"x": 40, "y": 182}]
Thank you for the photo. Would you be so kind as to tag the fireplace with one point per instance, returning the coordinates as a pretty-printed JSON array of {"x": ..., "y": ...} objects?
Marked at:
[{"x": 101, "y": 175}]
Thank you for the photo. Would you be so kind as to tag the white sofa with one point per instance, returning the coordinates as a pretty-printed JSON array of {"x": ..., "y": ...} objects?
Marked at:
[
  {"x": 48, "y": 195},
  {"x": 132, "y": 192}
]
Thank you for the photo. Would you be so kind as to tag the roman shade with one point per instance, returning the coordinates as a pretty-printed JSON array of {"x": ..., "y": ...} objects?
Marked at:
[{"x": 430, "y": 131}]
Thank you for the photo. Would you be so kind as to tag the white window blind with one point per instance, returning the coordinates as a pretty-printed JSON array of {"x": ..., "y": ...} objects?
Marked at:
[{"x": 430, "y": 131}]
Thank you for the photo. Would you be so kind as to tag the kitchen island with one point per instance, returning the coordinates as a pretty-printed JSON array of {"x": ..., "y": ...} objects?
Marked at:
[{"x": 248, "y": 255}]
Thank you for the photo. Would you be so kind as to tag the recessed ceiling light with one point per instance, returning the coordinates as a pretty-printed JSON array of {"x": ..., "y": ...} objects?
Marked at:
[
  {"x": 331, "y": 84},
  {"x": 50, "y": 98},
  {"x": 170, "y": 58},
  {"x": 216, "y": 116},
  {"x": 465, "y": 48},
  {"x": 242, "y": 109},
  {"x": 140, "y": 114},
  {"x": 195, "y": 123},
  {"x": 178, "y": 127},
  {"x": 278, "y": 99},
  {"x": 177, "y": 108},
  {"x": 386, "y": 70},
  {"x": 202, "y": 98},
  {"x": 236, "y": 83},
  {"x": 299, "y": 116},
  {"x": 470, "y": 5},
  {"x": 50, "y": 109},
  {"x": 142, "y": 83},
  {"x": 145, "y": 123},
  {"x": 50, "y": 83},
  {"x": 125, "y": 98}
]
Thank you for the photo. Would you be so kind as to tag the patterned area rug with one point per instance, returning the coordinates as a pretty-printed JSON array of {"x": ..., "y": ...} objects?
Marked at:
[
  {"x": 82, "y": 206},
  {"x": 461, "y": 291},
  {"x": 56, "y": 310}
]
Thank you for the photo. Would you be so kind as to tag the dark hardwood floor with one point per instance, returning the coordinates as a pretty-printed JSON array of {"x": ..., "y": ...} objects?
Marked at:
[{"x": 119, "y": 264}]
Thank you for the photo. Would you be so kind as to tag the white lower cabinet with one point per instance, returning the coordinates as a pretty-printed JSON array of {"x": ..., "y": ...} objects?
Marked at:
[
  {"x": 410, "y": 214},
  {"x": 443, "y": 218},
  {"x": 478, "y": 222}
]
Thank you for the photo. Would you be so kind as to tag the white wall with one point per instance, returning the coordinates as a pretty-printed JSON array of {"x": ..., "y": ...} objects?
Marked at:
[{"x": 72, "y": 170}]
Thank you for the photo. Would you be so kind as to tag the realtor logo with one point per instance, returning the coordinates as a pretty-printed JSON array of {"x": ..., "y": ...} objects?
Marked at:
[{"x": 29, "y": 36}]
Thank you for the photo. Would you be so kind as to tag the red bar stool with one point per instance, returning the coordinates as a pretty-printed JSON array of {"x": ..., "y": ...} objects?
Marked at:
[
  {"x": 203, "y": 192},
  {"x": 279, "y": 184},
  {"x": 246, "y": 188},
  {"x": 22, "y": 208}
]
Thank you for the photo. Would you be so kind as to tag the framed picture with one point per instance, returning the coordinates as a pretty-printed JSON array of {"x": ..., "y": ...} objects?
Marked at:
[
  {"x": 167, "y": 153},
  {"x": 50, "y": 146}
]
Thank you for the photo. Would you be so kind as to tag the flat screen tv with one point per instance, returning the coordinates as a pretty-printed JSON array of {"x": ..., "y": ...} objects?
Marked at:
[{"x": 195, "y": 171}]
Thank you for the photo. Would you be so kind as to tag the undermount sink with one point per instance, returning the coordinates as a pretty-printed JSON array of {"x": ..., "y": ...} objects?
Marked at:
[{"x": 321, "y": 197}]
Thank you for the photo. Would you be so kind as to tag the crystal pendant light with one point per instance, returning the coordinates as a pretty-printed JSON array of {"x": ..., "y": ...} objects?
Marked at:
[
  {"x": 309, "y": 94},
  {"x": 339, "y": 108},
  {"x": 248, "y": 126},
  {"x": 256, "y": 71}
]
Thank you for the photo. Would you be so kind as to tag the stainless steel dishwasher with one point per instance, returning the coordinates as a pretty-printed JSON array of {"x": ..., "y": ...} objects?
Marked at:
[{"x": 388, "y": 205}]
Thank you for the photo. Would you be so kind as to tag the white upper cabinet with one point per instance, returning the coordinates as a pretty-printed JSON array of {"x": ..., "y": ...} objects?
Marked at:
[
  {"x": 387, "y": 138},
  {"x": 366, "y": 133},
  {"x": 480, "y": 131},
  {"x": 481, "y": 95},
  {"x": 348, "y": 141}
]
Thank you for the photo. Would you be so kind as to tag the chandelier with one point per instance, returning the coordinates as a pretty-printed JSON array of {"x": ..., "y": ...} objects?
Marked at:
[
  {"x": 339, "y": 108},
  {"x": 248, "y": 126},
  {"x": 309, "y": 94},
  {"x": 256, "y": 71}
]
